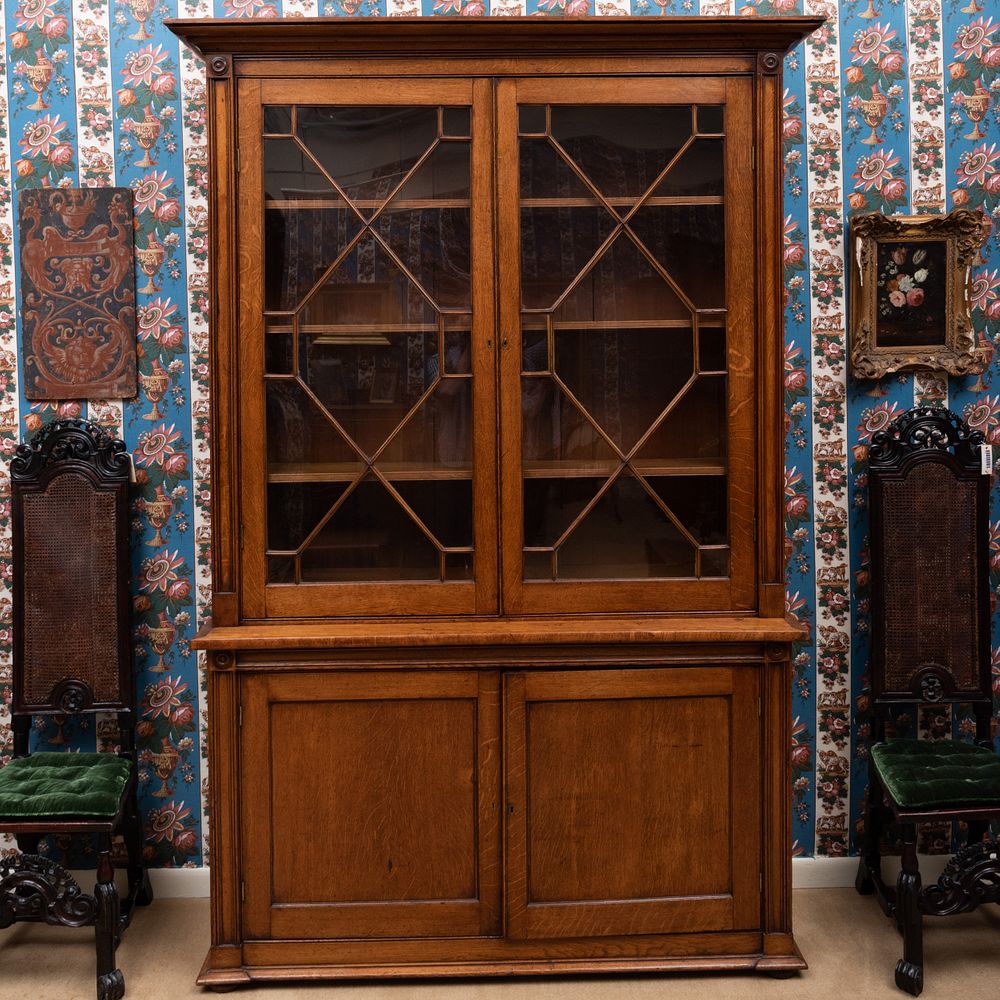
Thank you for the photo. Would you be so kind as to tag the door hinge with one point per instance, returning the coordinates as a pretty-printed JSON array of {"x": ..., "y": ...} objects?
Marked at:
[
  {"x": 243, "y": 892},
  {"x": 755, "y": 529},
  {"x": 237, "y": 159},
  {"x": 239, "y": 717},
  {"x": 753, "y": 157}
]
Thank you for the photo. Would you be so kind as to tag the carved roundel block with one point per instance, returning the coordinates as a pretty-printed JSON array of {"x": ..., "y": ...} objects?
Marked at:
[
  {"x": 769, "y": 62},
  {"x": 219, "y": 65}
]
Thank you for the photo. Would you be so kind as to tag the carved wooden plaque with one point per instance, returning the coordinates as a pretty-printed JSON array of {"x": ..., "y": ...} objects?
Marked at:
[{"x": 77, "y": 293}]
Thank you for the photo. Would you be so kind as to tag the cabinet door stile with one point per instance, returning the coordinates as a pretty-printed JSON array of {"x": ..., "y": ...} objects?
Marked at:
[
  {"x": 509, "y": 341},
  {"x": 250, "y": 324}
]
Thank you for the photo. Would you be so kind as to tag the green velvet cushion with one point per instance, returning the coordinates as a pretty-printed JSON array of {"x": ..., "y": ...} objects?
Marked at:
[
  {"x": 63, "y": 785},
  {"x": 938, "y": 774}
]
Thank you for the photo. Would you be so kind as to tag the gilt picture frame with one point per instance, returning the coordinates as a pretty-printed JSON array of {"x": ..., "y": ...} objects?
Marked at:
[{"x": 910, "y": 292}]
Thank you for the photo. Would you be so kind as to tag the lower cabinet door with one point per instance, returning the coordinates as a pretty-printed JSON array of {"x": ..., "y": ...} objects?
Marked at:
[
  {"x": 371, "y": 804},
  {"x": 633, "y": 801}
]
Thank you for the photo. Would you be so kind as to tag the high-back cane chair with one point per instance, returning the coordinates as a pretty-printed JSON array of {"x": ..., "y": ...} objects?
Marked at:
[
  {"x": 72, "y": 654},
  {"x": 929, "y": 506}
]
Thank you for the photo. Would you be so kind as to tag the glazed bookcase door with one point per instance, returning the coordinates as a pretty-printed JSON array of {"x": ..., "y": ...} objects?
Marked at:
[
  {"x": 626, "y": 307},
  {"x": 366, "y": 356}
]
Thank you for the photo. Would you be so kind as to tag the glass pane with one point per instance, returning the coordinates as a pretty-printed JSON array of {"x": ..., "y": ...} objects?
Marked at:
[
  {"x": 538, "y": 566},
  {"x": 433, "y": 244},
  {"x": 621, "y": 149},
  {"x": 711, "y": 347},
  {"x": 301, "y": 243},
  {"x": 456, "y": 122},
  {"x": 552, "y": 505},
  {"x": 280, "y": 569},
  {"x": 625, "y": 377},
  {"x": 711, "y": 118},
  {"x": 547, "y": 174},
  {"x": 555, "y": 431},
  {"x": 714, "y": 562},
  {"x": 689, "y": 242},
  {"x": 367, "y": 295},
  {"x": 279, "y": 354},
  {"x": 622, "y": 286},
  {"x": 458, "y": 566},
  {"x": 367, "y": 150},
  {"x": 556, "y": 245},
  {"x": 445, "y": 507},
  {"x": 695, "y": 429},
  {"x": 698, "y": 502},
  {"x": 438, "y": 434},
  {"x": 300, "y": 434},
  {"x": 534, "y": 344},
  {"x": 294, "y": 510},
  {"x": 370, "y": 537},
  {"x": 698, "y": 171},
  {"x": 531, "y": 118},
  {"x": 368, "y": 383},
  {"x": 278, "y": 119},
  {"x": 626, "y": 536}
]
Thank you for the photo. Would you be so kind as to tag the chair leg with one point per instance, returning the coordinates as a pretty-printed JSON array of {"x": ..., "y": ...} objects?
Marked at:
[
  {"x": 110, "y": 982},
  {"x": 910, "y": 968},
  {"x": 27, "y": 843},
  {"x": 139, "y": 888},
  {"x": 870, "y": 861}
]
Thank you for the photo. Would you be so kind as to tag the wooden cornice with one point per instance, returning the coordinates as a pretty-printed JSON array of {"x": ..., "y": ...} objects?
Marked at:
[{"x": 492, "y": 36}]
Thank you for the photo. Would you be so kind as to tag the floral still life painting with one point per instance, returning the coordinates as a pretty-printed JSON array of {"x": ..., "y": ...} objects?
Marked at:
[
  {"x": 911, "y": 297},
  {"x": 911, "y": 293}
]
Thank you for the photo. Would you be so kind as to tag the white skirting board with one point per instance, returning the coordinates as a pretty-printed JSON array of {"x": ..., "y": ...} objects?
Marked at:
[{"x": 807, "y": 873}]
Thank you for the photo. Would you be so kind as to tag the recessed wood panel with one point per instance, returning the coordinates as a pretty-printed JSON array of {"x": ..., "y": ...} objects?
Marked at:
[
  {"x": 632, "y": 801},
  {"x": 372, "y": 803},
  {"x": 407, "y": 831},
  {"x": 616, "y": 788}
]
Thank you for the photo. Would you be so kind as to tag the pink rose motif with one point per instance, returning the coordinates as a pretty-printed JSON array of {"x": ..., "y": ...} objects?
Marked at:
[
  {"x": 991, "y": 57},
  {"x": 899, "y": 255},
  {"x": 892, "y": 62},
  {"x": 894, "y": 189},
  {"x": 69, "y": 410},
  {"x": 800, "y": 756},
  {"x": 172, "y": 337},
  {"x": 178, "y": 590},
  {"x": 168, "y": 210},
  {"x": 791, "y": 128},
  {"x": 797, "y": 505},
  {"x": 898, "y": 299},
  {"x": 56, "y": 26},
  {"x": 795, "y": 380},
  {"x": 186, "y": 841},
  {"x": 175, "y": 465},
  {"x": 992, "y": 184},
  {"x": 794, "y": 253},
  {"x": 915, "y": 297},
  {"x": 61, "y": 155},
  {"x": 164, "y": 84},
  {"x": 182, "y": 716}
]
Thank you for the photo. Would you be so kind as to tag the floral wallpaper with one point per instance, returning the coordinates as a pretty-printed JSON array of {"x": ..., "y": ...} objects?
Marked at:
[{"x": 892, "y": 105}]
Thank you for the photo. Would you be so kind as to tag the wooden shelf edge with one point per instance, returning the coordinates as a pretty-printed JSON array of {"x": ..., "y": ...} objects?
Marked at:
[{"x": 495, "y": 631}]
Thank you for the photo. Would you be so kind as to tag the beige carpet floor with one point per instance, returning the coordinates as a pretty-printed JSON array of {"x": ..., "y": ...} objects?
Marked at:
[{"x": 850, "y": 947}]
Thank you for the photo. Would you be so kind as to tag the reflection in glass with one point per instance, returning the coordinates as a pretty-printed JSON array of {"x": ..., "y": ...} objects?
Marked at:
[
  {"x": 626, "y": 535},
  {"x": 630, "y": 334},
  {"x": 621, "y": 149},
  {"x": 370, "y": 537},
  {"x": 367, "y": 150}
]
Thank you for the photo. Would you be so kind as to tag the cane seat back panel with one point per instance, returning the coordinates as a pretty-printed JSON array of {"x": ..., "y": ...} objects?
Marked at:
[
  {"x": 77, "y": 785},
  {"x": 938, "y": 774},
  {"x": 929, "y": 582},
  {"x": 929, "y": 561},
  {"x": 69, "y": 490},
  {"x": 69, "y": 565}
]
